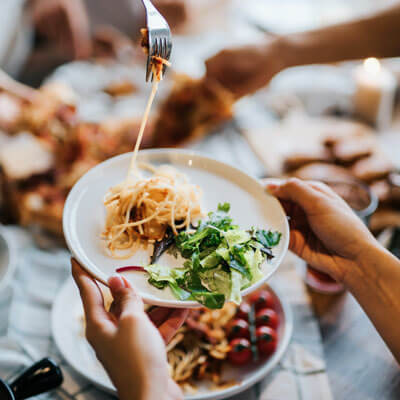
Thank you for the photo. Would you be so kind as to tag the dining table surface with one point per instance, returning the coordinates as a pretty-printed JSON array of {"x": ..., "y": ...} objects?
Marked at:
[{"x": 359, "y": 365}]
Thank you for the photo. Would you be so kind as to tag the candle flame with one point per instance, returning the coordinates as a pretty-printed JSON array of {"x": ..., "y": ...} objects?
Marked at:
[{"x": 372, "y": 65}]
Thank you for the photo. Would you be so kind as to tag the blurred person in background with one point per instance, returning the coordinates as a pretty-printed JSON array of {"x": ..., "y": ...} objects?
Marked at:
[
  {"x": 25, "y": 24},
  {"x": 41, "y": 34},
  {"x": 244, "y": 70}
]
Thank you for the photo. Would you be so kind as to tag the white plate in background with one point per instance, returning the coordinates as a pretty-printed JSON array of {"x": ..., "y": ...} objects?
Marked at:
[{"x": 68, "y": 334}]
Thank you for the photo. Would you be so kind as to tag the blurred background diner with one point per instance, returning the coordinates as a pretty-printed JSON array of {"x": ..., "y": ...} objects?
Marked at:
[{"x": 291, "y": 88}]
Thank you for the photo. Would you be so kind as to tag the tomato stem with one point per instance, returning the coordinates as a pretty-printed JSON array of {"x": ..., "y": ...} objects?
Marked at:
[{"x": 252, "y": 329}]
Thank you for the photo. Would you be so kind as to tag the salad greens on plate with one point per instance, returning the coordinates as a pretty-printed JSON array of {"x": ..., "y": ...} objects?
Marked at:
[{"x": 220, "y": 260}]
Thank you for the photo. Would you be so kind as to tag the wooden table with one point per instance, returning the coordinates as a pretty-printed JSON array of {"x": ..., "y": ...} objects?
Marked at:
[{"x": 360, "y": 367}]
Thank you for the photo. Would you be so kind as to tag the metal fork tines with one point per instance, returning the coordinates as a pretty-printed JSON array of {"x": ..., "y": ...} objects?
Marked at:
[{"x": 159, "y": 36}]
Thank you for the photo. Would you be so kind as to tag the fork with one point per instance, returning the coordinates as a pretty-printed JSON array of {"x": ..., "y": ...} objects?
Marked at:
[{"x": 159, "y": 35}]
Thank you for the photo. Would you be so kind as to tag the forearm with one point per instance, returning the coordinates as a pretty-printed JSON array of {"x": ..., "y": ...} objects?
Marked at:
[
  {"x": 376, "y": 286},
  {"x": 366, "y": 37}
]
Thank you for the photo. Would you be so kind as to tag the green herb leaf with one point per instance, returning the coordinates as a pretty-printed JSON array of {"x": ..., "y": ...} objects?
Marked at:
[
  {"x": 209, "y": 300},
  {"x": 239, "y": 267},
  {"x": 216, "y": 281},
  {"x": 268, "y": 238},
  {"x": 157, "y": 284},
  {"x": 224, "y": 207},
  {"x": 236, "y": 286},
  {"x": 163, "y": 273},
  {"x": 178, "y": 292}
]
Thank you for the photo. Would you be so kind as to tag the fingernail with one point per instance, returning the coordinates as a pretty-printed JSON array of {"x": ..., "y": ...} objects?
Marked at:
[
  {"x": 271, "y": 188},
  {"x": 272, "y": 184},
  {"x": 116, "y": 283},
  {"x": 126, "y": 283}
]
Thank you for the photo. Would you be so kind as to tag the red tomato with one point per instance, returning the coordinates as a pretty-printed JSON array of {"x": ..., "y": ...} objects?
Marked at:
[
  {"x": 262, "y": 299},
  {"x": 238, "y": 328},
  {"x": 240, "y": 353},
  {"x": 267, "y": 317},
  {"x": 243, "y": 311},
  {"x": 266, "y": 340}
]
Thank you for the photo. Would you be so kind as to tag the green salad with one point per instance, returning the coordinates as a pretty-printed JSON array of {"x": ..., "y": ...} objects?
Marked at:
[{"x": 220, "y": 260}]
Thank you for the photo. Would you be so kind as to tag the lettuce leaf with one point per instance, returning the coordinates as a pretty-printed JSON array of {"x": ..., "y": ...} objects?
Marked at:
[
  {"x": 160, "y": 273},
  {"x": 268, "y": 238},
  {"x": 211, "y": 261},
  {"x": 254, "y": 259},
  {"x": 236, "y": 286},
  {"x": 236, "y": 236},
  {"x": 210, "y": 300},
  {"x": 178, "y": 292},
  {"x": 216, "y": 280}
]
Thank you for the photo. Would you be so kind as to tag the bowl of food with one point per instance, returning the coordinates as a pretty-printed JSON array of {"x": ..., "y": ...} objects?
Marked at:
[{"x": 184, "y": 229}]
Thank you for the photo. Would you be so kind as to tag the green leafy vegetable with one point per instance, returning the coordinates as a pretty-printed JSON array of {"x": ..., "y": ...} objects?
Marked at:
[
  {"x": 158, "y": 284},
  {"x": 268, "y": 238},
  {"x": 178, "y": 292},
  {"x": 163, "y": 275},
  {"x": 236, "y": 236},
  {"x": 234, "y": 264},
  {"x": 210, "y": 300},
  {"x": 236, "y": 287},
  {"x": 216, "y": 280},
  {"x": 221, "y": 260},
  {"x": 225, "y": 207}
]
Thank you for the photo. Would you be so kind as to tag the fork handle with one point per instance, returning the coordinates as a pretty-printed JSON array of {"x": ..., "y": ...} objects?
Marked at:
[{"x": 150, "y": 9}]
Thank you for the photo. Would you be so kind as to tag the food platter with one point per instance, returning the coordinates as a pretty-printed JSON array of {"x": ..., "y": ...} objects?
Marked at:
[
  {"x": 84, "y": 215},
  {"x": 68, "y": 333}
]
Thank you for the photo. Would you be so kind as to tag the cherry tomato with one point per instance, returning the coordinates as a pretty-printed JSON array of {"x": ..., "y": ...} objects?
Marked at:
[
  {"x": 262, "y": 299},
  {"x": 243, "y": 311},
  {"x": 239, "y": 328},
  {"x": 267, "y": 317},
  {"x": 240, "y": 353},
  {"x": 266, "y": 340}
]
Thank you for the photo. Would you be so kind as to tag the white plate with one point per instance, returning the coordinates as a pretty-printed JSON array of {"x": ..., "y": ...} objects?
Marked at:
[
  {"x": 8, "y": 259},
  {"x": 68, "y": 333},
  {"x": 84, "y": 215}
]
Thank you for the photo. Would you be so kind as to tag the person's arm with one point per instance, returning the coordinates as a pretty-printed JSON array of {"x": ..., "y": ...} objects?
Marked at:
[
  {"x": 64, "y": 24},
  {"x": 329, "y": 236},
  {"x": 376, "y": 286},
  {"x": 371, "y": 36},
  {"x": 246, "y": 69},
  {"x": 126, "y": 339}
]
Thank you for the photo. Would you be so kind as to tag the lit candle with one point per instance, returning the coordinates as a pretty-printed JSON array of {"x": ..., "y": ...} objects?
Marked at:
[{"x": 374, "y": 94}]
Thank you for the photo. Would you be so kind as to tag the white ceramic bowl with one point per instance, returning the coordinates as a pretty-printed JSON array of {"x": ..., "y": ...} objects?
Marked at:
[{"x": 84, "y": 215}]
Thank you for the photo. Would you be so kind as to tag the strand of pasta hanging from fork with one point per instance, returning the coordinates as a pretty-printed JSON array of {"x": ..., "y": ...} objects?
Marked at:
[{"x": 140, "y": 209}]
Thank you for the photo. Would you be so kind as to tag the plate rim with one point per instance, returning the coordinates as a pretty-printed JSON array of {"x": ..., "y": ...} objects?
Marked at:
[
  {"x": 12, "y": 257},
  {"x": 259, "y": 374},
  {"x": 102, "y": 277}
]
